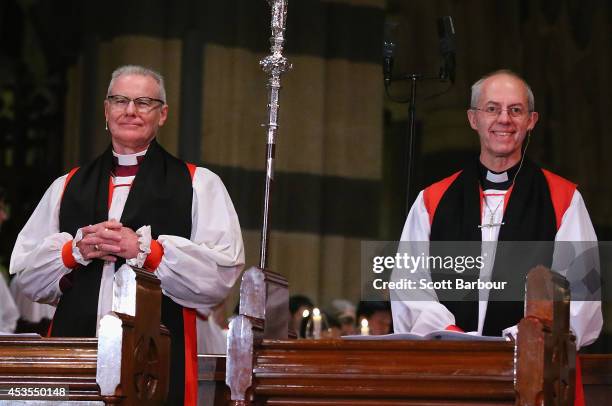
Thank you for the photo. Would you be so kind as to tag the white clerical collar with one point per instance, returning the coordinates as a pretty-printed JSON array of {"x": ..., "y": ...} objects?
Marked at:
[
  {"x": 128, "y": 159},
  {"x": 497, "y": 177}
]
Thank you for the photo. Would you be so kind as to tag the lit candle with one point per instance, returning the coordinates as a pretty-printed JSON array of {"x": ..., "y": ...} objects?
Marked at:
[
  {"x": 365, "y": 330},
  {"x": 316, "y": 323}
]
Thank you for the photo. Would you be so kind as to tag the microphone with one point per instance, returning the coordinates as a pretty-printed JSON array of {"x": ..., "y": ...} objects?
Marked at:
[
  {"x": 446, "y": 35},
  {"x": 388, "y": 50}
]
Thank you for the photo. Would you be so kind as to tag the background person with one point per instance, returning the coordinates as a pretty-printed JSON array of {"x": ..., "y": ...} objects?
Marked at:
[
  {"x": 297, "y": 305},
  {"x": 378, "y": 315}
]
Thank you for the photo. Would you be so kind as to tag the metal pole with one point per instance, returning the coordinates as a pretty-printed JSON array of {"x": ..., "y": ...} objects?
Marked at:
[
  {"x": 411, "y": 135},
  {"x": 275, "y": 65}
]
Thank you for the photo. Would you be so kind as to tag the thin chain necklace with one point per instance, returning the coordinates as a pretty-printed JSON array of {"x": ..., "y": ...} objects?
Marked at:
[
  {"x": 492, "y": 215},
  {"x": 491, "y": 224}
]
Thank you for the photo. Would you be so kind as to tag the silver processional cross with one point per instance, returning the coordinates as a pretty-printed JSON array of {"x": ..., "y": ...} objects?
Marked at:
[{"x": 275, "y": 65}]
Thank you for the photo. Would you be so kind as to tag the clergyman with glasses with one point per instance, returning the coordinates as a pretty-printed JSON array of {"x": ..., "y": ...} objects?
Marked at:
[
  {"x": 135, "y": 204},
  {"x": 499, "y": 196}
]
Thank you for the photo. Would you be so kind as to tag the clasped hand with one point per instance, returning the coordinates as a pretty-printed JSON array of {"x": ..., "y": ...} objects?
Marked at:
[{"x": 107, "y": 241}]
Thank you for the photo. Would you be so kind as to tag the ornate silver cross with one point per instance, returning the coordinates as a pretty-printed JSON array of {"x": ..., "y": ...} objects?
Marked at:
[{"x": 491, "y": 224}]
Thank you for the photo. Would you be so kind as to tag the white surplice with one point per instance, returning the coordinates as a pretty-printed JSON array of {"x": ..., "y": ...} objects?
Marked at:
[
  {"x": 422, "y": 317},
  {"x": 196, "y": 272}
]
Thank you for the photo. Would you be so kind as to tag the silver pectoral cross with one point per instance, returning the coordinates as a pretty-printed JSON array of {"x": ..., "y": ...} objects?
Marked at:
[{"x": 491, "y": 224}]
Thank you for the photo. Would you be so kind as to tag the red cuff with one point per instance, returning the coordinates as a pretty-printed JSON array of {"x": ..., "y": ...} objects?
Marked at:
[
  {"x": 154, "y": 257},
  {"x": 67, "y": 256},
  {"x": 452, "y": 327}
]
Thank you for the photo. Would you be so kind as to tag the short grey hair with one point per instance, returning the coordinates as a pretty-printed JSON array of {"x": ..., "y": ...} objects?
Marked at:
[
  {"x": 477, "y": 87},
  {"x": 138, "y": 70}
]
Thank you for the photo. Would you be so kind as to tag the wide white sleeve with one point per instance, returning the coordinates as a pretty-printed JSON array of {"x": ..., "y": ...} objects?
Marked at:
[
  {"x": 8, "y": 310},
  {"x": 585, "y": 312},
  {"x": 198, "y": 272},
  {"x": 426, "y": 314},
  {"x": 30, "y": 311},
  {"x": 37, "y": 255}
]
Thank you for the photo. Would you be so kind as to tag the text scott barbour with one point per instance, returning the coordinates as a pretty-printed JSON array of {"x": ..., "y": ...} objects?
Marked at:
[{"x": 424, "y": 283}]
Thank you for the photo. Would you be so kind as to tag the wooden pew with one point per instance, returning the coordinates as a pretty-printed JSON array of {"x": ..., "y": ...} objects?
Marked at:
[
  {"x": 596, "y": 379},
  {"x": 537, "y": 370},
  {"x": 128, "y": 364}
]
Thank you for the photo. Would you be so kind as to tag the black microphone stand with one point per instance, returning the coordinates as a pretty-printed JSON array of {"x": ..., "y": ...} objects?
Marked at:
[
  {"x": 411, "y": 136},
  {"x": 413, "y": 78},
  {"x": 446, "y": 34}
]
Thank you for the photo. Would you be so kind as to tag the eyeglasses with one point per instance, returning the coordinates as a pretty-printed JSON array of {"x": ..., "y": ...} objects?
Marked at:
[
  {"x": 142, "y": 104},
  {"x": 495, "y": 111}
]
